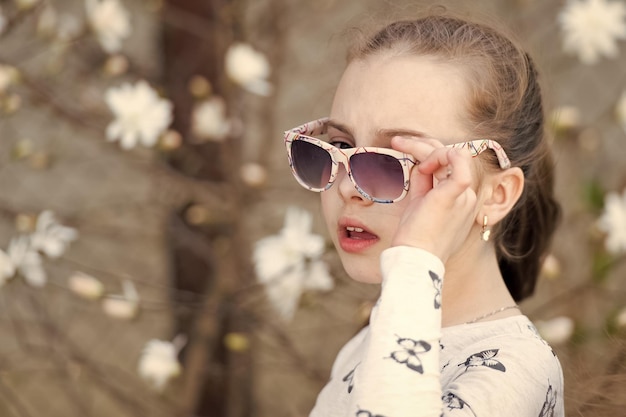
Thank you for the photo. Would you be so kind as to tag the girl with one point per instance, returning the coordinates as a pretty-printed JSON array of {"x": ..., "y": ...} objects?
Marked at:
[{"x": 437, "y": 183}]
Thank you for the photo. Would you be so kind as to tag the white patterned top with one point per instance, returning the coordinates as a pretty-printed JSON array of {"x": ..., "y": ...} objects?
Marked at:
[{"x": 405, "y": 364}]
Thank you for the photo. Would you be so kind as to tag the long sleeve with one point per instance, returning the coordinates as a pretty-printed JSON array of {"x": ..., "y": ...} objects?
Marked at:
[
  {"x": 405, "y": 364},
  {"x": 399, "y": 374}
]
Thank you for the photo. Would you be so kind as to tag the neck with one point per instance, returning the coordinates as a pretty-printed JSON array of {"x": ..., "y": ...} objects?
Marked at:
[{"x": 471, "y": 293}]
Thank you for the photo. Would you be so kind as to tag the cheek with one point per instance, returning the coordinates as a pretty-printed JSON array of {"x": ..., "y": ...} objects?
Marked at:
[
  {"x": 394, "y": 212},
  {"x": 326, "y": 203}
]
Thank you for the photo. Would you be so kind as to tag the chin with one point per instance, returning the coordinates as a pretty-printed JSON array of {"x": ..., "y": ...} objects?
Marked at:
[{"x": 360, "y": 272}]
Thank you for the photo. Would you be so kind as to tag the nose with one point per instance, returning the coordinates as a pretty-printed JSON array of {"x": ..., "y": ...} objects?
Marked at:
[{"x": 346, "y": 188}]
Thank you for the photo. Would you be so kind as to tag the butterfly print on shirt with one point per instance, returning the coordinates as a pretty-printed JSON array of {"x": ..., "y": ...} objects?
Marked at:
[
  {"x": 548, "y": 406},
  {"x": 437, "y": 285},
  {"x": 409, "y": 354},
  {"x": 349, "y": 378},
  {"x": 365, "y": 413},
  {"x": 484, "y": 358},
  {"x": 453, "y": 402}
]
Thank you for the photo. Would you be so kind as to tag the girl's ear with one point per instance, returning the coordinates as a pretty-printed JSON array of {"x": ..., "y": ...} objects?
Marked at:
[{"x": 503, "y": 189}]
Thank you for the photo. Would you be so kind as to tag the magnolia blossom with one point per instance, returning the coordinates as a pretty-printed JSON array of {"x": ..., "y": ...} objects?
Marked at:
[
  {"x": 248, "y": 68},
  {"x": 591, "y": 28},
  {"x": 288, "y": 263},
  {"x": 620, "y": 110},
  {"x": 85, "y": 285},
  {"x": 557, "y": 330},
  {"x": 209, "y": 121},
  {"x": 159, "y": 361},
  {"x": 116, "y": 65},
  {"x": 124, "y": 306},
  {"x": 8, "y": 76},
  {"x": 253, "y": 174},
  {"x": 47, "y": 21},
  {"x": 7, "y": 269},
  {"x": 26, "y": 4},
  {"x": 551, "y": 267},
  {"x": 27, "y": 261},
  {"x": 110, "y": 21},
  {"x": 613, "y": 222},
  {"x": 50, "y": 237},
  {"x": 140, "y": 115},
  {"x": 565, "y": 119}
]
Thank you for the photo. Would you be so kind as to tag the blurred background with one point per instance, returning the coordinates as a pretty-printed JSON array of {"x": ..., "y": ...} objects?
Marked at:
[{"x": 148, "y": 214}]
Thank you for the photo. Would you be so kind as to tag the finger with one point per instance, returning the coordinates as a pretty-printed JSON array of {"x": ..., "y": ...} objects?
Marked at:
[
  {"x": 460, "y": 165},
  {"x": 441, "y": 158},
  {"x": 419, "y": 184},
  {"x": 420, "y": 148},
  {"x": 449, "y": 166}
]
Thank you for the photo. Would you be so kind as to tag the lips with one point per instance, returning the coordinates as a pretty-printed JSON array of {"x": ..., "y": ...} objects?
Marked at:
[{"x": 354, "y": 237}]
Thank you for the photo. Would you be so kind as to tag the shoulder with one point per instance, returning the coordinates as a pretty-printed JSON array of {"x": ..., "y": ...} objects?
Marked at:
[
  {"x": 502, "y": 365},
  {"x": 347, "y": 358}
]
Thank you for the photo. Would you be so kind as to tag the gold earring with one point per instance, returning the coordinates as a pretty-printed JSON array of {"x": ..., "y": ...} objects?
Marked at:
[{"x": 484, "y": 232}]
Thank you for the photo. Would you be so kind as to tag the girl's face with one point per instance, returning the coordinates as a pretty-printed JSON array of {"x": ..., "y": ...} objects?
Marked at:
[{"x": 378, "y": 98}]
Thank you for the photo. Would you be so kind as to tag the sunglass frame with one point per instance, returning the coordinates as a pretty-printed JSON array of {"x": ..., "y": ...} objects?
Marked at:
[{"x": 407, "y": 161}]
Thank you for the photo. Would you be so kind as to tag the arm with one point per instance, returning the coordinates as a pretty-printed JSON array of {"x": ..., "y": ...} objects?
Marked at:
[
  {"x": 399, "y": 375},
  {"x": 502, "y": 368}
]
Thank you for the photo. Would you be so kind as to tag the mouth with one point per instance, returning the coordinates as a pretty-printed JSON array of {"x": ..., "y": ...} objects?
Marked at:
[{"x": 354, "y": 238}]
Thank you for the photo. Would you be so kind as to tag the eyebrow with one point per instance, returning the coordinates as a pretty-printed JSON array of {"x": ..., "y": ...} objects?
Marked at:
[{"x": 380, "y": 133}]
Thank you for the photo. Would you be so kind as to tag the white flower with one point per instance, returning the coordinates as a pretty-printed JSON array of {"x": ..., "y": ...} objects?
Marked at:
[
  {"x": 557, "y": 330},
  {"x": 592, "y": 27},
  {"x": 248, "y": 68},
  {"x": 125, "y": 306},
  {"x": 85, "y": 285},
  {"x": 116, "y": 65},
  {"x": 27, "y": 261},
  {"x": 209, "y": 121},
  {"x": 159, "y": 361},
  {"x": 253, "y": 174},
  {"x": 613, "y": 222},
  {"x": 47, "y": 21},
  {"x": 551, "y": 267},
  {"x": 140, "y": 115},
  {"x": 288, "y": 263},
  {"x": 620, "y": 110},
  {"x": 565, "y": 118},
  {"x": 7, "y": 268},
  {"x": 110, "y": 21},
  {"x": 8, "y": 76},
  {"x": 50, "y": 237},
  {"x": 25, "y": 4}
]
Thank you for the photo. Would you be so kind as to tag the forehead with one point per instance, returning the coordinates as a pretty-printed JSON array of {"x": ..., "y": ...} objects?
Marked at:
[{"x": 387, "y": 91}]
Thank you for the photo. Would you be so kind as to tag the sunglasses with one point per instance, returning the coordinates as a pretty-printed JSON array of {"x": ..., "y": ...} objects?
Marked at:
[{"x": 379, "y": 174}]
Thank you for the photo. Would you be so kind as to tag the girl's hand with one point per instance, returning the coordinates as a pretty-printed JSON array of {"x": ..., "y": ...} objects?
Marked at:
[{"x": 437, "y": 219}]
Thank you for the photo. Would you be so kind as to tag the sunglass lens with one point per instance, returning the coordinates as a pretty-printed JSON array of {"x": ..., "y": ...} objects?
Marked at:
[
  {"x": 311, "y": 163},
  {"x": 378, "y": 175}
]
